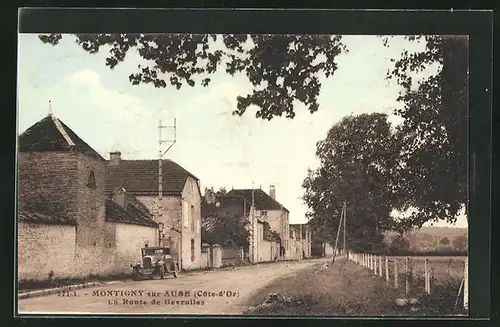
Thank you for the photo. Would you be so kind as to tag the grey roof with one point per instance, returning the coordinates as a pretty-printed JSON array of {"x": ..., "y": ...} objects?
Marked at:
[{"x": 51, "y": 134}]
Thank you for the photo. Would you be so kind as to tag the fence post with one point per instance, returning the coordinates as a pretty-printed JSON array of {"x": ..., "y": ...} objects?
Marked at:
[
  {"x": 387, "y": 270},
  {"x": 426, "y": 277},
  {"x": 407, "y": 275},
  {"x": 466, "y": 284},
  {"x": 396, "y": 274},
  {"x": 380, "y": 269}
]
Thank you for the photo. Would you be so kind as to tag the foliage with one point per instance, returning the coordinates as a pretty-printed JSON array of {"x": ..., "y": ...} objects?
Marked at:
[
  {"x": 399, "y": 242},
  {"x": 432, "y": 172},
  {"x": 444, "y": 241},
  {"x": 356, "y": 159},
  {"x": 224, "y": 228},
  {"x": 460, "y": 243},
  {"x": 281, "y": 68},
  {"x": 269, "y": 234}
]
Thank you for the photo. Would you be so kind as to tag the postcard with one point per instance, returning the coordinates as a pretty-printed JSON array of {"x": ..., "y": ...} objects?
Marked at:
[{"x": 242, "y": 174}]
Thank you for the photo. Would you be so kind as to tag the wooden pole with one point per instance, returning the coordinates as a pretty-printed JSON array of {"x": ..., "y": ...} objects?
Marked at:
[
  {"x": 338, "y": 234},
  {"x": 466, "y": 284},
  {"x": 344, "y": 247},
  {"x": 426, "y": 276},
  {"x": 387, "y": 270},
  {"x": 407, "y": 275},
  {"x": 396, "y": 273}
]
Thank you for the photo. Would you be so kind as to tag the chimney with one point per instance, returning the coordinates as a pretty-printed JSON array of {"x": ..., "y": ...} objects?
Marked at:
[
  {"x": 115, "y": 157},
  {"x": 119, "y": 197},
  {"x": 272, "y": 191}
]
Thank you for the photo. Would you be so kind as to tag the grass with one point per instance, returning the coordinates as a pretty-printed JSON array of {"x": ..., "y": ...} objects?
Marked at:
[{"x": 345, "y": 289}]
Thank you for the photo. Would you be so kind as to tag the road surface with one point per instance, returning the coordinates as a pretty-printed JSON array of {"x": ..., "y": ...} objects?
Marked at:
[{"x": 210, "y": 292}]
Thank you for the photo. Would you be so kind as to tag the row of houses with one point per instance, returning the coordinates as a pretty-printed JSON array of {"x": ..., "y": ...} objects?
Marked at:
[
  {"x": 263, "y": 213},
  {"x": 80, "y": 214}
]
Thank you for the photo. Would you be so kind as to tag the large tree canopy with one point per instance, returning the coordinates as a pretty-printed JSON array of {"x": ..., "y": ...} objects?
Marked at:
[
  {"x": 356, "y": 160},
  {"x": 432, "y": 175},
  {"x": 281, "y": 68}
]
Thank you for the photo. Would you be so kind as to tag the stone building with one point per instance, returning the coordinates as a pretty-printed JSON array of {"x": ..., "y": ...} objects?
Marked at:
[
  {"x": 301, "y": 241},
  {"x": 62, "y": 210},
  {"x": 178, "y": 212},
  {"x": 269, "y": 210}
]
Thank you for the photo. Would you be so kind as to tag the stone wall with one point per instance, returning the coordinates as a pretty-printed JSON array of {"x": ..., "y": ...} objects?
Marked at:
[
  {"x": 268, "y": 251},
  {"x": 43, "y": 249}
]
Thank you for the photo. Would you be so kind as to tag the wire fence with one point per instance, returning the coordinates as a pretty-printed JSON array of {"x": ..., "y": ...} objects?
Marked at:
[{"x": 416, "y": 275}]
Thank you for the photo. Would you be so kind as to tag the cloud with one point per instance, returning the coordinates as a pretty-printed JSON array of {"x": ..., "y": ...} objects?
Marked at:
[{"x": 86, "y": 78}]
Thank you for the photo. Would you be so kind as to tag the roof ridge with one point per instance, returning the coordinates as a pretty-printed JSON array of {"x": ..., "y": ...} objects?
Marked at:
[{"x": 61, "y": 130}]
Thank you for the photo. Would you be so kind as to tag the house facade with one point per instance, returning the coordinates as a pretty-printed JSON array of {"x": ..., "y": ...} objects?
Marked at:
[
  {"x": 300, "y": 239},
  {"x": 177, "y": 211},
  {"x": 61, "y": 221},
  {"x": 269, "y": 210},
  {"x": 129, "y": 227}
]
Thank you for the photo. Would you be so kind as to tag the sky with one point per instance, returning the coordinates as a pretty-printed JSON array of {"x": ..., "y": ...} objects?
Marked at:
[{"x": 222, "y": 150}]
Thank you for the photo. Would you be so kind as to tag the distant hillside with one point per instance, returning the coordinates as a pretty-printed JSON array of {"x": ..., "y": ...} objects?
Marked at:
[{"x": 434, "y": 238}]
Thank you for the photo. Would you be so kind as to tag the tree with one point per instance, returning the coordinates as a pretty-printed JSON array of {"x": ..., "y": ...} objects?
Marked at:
[
  {"x": 281, "y": 68},
  {"x": 399, "y": 242},
  {"x": 433, "y": 136},
  {"x": 356, "y": 159},
  {"x": 444, "y": 241},
  {"x": 269, "y": 234},
  {"x": 460, "y": 243},
  {"x": 225, "y": 228}
]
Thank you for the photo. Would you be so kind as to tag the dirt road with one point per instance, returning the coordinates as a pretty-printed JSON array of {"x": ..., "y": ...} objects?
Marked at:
[{"x": 212, "y": 292}]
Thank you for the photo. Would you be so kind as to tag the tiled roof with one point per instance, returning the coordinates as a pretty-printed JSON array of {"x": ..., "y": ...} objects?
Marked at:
[
  {"x": 263, "y": 201},
  {"x": 32, "y": 216},
  {"x": 226, "y": 202},
  {"x": 140, "y": 177},
  {"x": 129, "y": 215},
  {"x": 51, "y": 134}
]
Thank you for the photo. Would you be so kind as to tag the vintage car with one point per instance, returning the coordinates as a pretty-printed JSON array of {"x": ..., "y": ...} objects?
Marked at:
[{"x": 155, "y": 261}]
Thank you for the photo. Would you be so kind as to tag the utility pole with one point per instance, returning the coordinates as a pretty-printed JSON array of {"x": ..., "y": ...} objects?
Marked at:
[
  {"x": 253, "y": 238},
  {"x": 338, "y": 233},
  {"x": 344, "y": 209},
  {"x": 161, "y": 153}
]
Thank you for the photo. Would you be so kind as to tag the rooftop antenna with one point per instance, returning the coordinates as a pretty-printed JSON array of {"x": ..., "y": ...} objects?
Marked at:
[{"x": 161, "y": 153}]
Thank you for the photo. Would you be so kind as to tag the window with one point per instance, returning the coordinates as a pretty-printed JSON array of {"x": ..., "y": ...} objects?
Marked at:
[
  {"x": 91, "y": 180},
  {"x": 192, "y": 249}
]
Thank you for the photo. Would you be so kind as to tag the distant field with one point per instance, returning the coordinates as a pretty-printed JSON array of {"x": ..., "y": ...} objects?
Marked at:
[{"x": 443, "y": 270}]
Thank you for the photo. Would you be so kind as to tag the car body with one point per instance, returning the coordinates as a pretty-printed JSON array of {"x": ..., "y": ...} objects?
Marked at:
[{"x": 155, "y": 261}]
